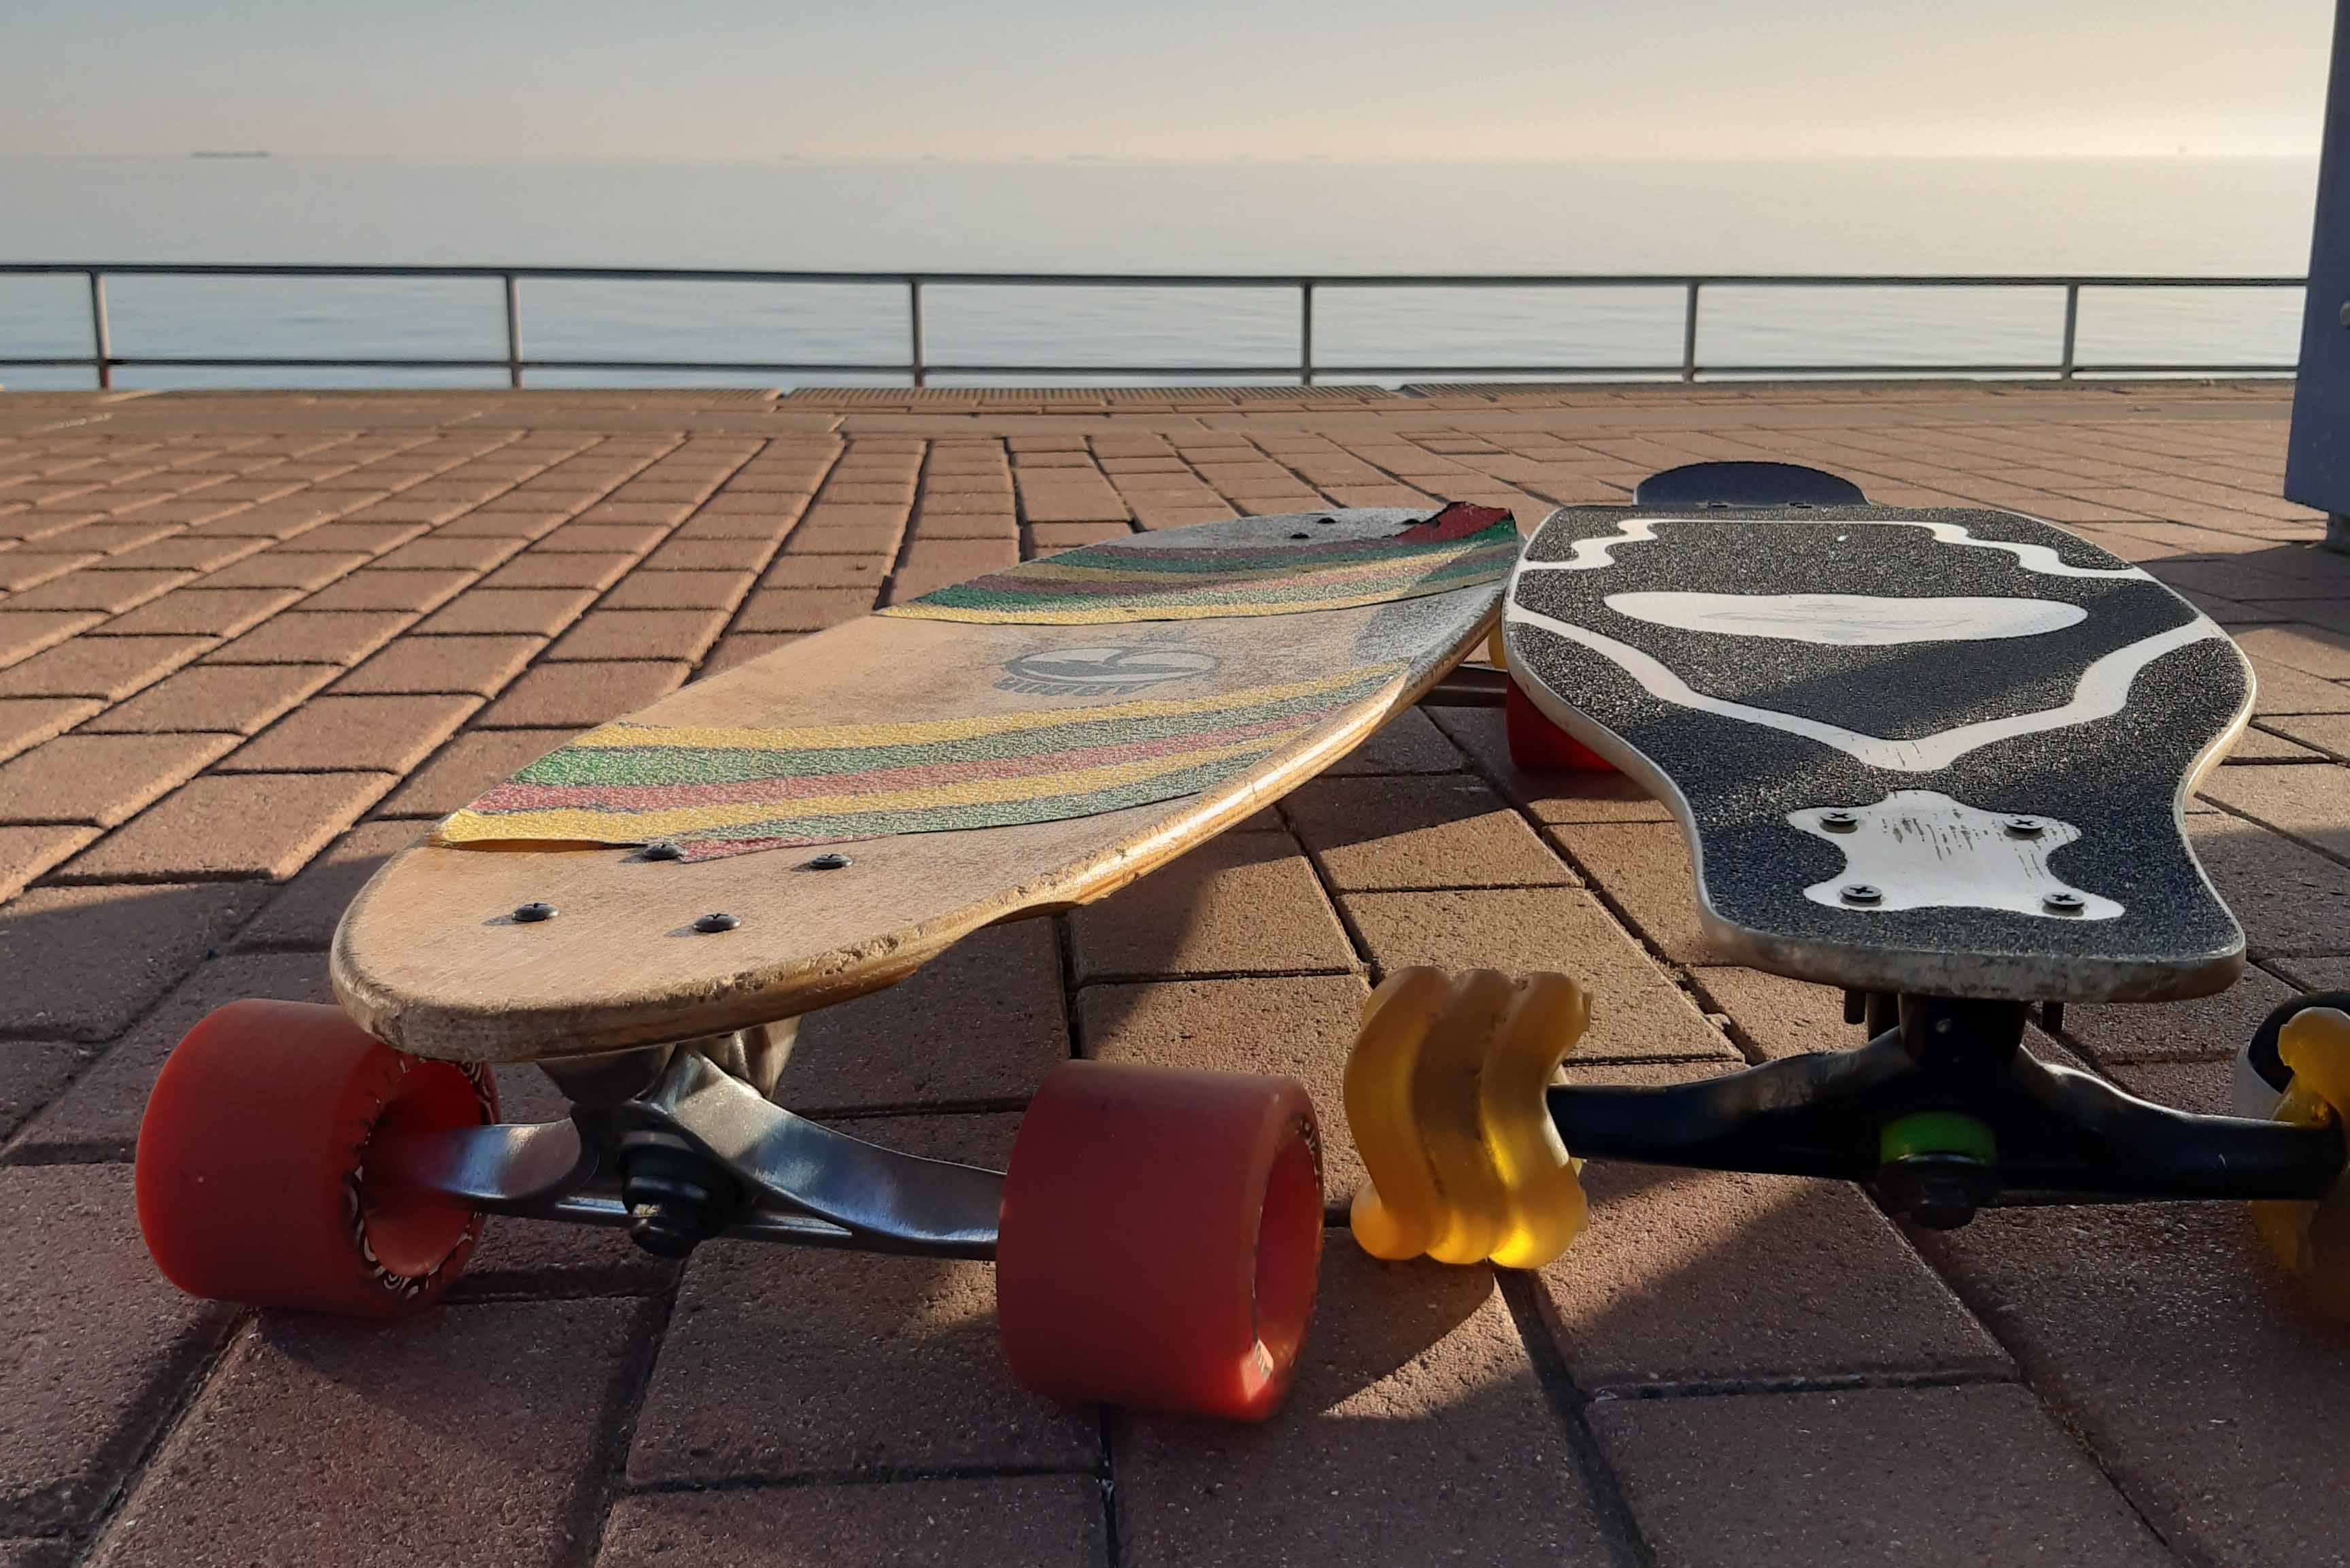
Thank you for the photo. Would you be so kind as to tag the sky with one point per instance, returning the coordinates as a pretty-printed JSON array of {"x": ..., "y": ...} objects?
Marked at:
[{"x": 1213, "y": 80}]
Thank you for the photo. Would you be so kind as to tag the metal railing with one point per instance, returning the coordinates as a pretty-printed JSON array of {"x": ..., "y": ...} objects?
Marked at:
[{"x": 103, "y": 360}]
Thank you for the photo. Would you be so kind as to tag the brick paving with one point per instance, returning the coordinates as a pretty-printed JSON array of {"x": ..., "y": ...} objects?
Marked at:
[{"x": 250, "y": 643}]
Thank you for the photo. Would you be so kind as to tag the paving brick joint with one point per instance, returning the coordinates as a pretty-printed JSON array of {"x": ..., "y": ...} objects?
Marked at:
[{"x": 251, "y": 644}]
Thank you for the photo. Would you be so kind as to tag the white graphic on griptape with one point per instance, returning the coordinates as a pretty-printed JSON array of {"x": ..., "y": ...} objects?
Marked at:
[
  {"x": 1588, "y": 555},
  {"x": 1921, "y": 849},
  {"x": 1849, "y": 620},
  {"x": 2101, "y": 692}
]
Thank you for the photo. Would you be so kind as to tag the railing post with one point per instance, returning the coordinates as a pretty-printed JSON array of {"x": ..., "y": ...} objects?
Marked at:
[
  {"x": 514, "y": 331},
  {"x": 1306, "y": 332},
  {"x": 101, "y": 339},
  {"x": 2071, "y": 322},
  {"x": 1689, "y": 335},
  {"x": 914, "y": 330}
]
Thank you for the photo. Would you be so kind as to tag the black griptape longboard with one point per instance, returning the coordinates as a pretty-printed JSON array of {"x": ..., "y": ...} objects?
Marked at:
[{"x": 1931, "y": 752}]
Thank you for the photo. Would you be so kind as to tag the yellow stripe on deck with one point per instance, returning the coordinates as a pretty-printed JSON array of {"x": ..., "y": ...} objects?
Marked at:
[
  {"x": 626, "y": 735},
  {"x": 471, "y": 826}
]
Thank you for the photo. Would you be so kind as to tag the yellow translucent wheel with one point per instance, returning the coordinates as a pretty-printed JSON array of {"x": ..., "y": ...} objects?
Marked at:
[
  {"x": 1444, "y": 1099},
  {"x": 2312, "y": 1237}
]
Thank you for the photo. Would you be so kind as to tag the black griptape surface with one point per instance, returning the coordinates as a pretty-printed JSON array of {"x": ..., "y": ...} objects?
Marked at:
[{"x": 1767, "y": 666}]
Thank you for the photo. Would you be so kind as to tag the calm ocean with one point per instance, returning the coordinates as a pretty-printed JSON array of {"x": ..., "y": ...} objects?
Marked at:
[{"x": 2180, "y": 215}]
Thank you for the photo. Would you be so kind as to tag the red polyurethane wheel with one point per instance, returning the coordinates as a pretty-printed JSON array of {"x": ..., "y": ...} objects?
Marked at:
[
  {"x": 1159, "y": 1238},
  {"x": 252, "y": 1172},
  {"x": 1541, "y": 746}
]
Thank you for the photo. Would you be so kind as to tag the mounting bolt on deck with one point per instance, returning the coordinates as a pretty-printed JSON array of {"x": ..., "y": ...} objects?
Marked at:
[
  {"x": 663, "y": 851},
  {"x": 2024, "y": 826},
  {"x": 2065, "y": 903},
  {"x": 530, "y": 914},
  {"x": 827, "y": 863},
  {"x": 716, "y": 922},
  {"x": 1839, "y": 821},
  {"x": 1861, "y": 893}
]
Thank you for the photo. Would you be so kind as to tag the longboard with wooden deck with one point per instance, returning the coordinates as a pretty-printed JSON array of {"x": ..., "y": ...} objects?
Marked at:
[{"x": 646, "y": 911}]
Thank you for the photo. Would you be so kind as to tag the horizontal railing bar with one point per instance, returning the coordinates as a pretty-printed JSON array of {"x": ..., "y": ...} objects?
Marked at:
[
  {"x": 1164, "y": 280},
  {"x": 189, "y": 362}
]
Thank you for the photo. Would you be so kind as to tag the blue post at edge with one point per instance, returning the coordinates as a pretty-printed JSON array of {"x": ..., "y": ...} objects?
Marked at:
[{"x": 2317, "y": 460}]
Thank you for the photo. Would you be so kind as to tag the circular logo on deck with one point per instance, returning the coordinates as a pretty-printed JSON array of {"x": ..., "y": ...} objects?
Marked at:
[{"x": 1108, "y": 669}]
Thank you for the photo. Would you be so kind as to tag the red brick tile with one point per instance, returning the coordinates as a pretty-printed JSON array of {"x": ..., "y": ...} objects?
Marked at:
[
  {"x": 526, "y": 519},
  {"x": 1000, "y": 985},
  {"x": 1705, "y": 1277},
  {"x": 409, "y": 507},
  {"x": 364, "y": 538},
  {"x": 31, "y": 1073},
  {"x": 803, "y": 609},
  {"x": 26, "y": 852},
  {"x": 299, "y": 637},
  {"x": 2289, "y": 899},
  {"x": 1435, "y": 832},
  {"x": 232, "y": 825},
  {"x": 1872, "y": 1475},
  {"x": 683, "y": 555},
  {"x": 604, "y": 634},
  {"x": 2207, "y": 1028},
  {"x": 593, "y": 538},
  {"x": 861, "y": 539},
  {"x": 493, "y": 1418},
  {"x": 84, "y": 961},
  {"x": 25, "y": 568},
  {"x": 467, "y": 766},
  {"x": 1052, "y": 537},
  {"x": 188, "y": 551},
  {"x": 1241, "y": 903},
  {"x": 379, "y": 587},
  {"x": 1303, "y": 1025},
  {"x": 577, "y": 695},
  {"x": 739, "y": 649},
  {"x": 379, "y": 733},
  {"x": 1409, "y": 744},
  {"x": 440, "y": 552},
  {"x": 28, "y": 720},
  {"x": 2164, "y": 1337},
  {"x": 23, "y": 633},
  {"x": 532, "y": 612},
  {"x": 301, "y": 916},
  {"x": 654, "y": 516},
  {"x": 581, "y": 570},
  {"x": 98, "y": 1117},
  {"x": 864, "y": 572},
  {"x": 203, "y": 612},
  {"x": 1418, "y": 1433},
  {"x": 1049, "y": 1521},
  {"x": 779, "y": 1364},
  {"x": 478, "y": 666},
  {"x": 102, "y": 1346},
  {"x": 1642, "y": 870},
  {"x": 100, "y": 779},
  {"x": 675, "y": 590},
  {"x": 1781, "y": 1017},
  {"x": 1637, "y": 1011}
]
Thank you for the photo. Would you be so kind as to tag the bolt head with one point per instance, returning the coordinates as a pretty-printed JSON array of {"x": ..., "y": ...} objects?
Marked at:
[
  {"x": 2065, "y": 903},
  {"x": 1839, "y": 821},
  {"x": 1861, "y": 893},
  {"x": 830, "y": 862},
  {"x": 663, "y": 851},
  {"x": 530, "y": 914},
  {"x": 2024, "y": 826},
  {"x": 716, "y": 922},
  {"x": 2346, "y": 313}
]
